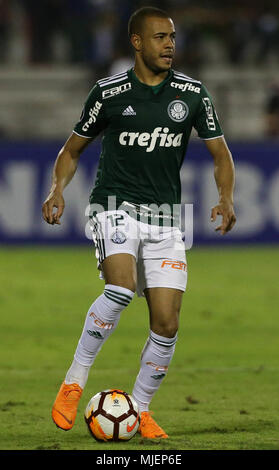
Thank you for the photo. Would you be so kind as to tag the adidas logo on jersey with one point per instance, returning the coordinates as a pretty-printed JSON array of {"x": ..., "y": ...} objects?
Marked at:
[
  {"x": 129, "y": 112},
  {"x": 145, "y": 139}
]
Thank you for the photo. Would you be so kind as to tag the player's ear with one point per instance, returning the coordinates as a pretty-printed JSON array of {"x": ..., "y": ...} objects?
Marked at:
[{"x": 136, "y": 42}]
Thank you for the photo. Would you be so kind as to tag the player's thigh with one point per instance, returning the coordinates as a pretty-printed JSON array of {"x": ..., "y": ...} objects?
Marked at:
[
  {"x": 116, "y": 240},
  {"x": 164, "y": 307},
  {"x": 120, "y": 270}
]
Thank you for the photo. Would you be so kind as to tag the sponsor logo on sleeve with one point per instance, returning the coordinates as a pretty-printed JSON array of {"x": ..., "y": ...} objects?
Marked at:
[
  {"x": 93, "y": 114},
  {"x": 210, "y": 115}
]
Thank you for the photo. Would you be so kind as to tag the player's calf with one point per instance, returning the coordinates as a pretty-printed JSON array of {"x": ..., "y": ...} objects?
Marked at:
[
  {"x": 101, "y": 320},
  {"x": 155, "y": 359}
]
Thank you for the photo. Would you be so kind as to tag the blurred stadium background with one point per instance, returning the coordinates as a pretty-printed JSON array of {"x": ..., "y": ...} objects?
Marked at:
[{"x": 52, "y": 52}]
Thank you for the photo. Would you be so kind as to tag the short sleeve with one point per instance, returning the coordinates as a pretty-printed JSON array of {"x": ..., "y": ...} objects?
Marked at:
[
  {"x": 206, "y": 120},
  {"x": 92, "y": 120}
]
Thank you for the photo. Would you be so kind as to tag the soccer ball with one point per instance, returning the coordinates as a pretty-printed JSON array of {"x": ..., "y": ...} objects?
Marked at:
[{"x": 112, "y": 415}]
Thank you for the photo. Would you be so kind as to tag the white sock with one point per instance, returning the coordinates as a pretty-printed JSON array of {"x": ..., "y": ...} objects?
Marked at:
[
  {"x": 156, "y": 356},
  {"x": 101, "y": 320},
  {"x": 77, "y": 374}
]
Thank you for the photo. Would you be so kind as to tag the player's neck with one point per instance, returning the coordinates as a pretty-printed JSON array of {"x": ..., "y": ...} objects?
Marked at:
[{"x": 147, "y": 76}]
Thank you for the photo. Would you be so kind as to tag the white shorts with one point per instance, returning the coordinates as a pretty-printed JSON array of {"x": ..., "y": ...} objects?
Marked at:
[{"x": 159, "y": 251}]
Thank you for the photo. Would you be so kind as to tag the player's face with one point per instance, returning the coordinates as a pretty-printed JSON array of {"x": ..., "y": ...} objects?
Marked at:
[{"x": 157, "y": 44}]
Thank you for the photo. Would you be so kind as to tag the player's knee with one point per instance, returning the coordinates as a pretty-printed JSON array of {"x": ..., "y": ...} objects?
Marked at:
[
  {"x": 165, "y": 322},
  {"x": 168, "y": 329},
  {"x": 123, "y": 280},
  {"x": 131, "y": 285},
  {"x": 127, "y": 284}
]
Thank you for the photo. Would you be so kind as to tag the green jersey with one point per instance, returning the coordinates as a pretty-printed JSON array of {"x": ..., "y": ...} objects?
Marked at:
[{"x": 146, "y": 130}]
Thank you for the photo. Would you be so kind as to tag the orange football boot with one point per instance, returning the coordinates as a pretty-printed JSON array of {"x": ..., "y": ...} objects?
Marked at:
[
  {"x": 64, "y": 409},
  {"x": 148, "y": 428}
]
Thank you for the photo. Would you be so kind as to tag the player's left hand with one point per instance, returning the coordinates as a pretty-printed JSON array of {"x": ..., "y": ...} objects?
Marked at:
[{"x": 226, "y": 210}]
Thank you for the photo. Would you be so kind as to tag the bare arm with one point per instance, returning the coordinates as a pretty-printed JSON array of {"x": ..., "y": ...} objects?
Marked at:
[
  {"x": 64, "y": 169},
  {"x": 224, "y": 174}
]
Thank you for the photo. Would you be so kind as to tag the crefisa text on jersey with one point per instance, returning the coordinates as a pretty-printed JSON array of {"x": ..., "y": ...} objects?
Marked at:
[
  {"x": 186, "y": 86},
  {"x": 145, "y": 459},
  {"x": 93, "y": 113}
]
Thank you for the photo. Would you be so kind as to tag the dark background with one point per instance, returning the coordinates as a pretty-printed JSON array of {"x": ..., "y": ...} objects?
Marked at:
[{"x": 52, "y": 52}]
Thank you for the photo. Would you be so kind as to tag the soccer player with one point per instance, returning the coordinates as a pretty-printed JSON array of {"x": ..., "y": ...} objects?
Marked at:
[{"x": 146, "y": 114}]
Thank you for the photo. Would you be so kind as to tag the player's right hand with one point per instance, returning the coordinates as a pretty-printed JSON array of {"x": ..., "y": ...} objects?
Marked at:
[{"x": 54, "y": 200}]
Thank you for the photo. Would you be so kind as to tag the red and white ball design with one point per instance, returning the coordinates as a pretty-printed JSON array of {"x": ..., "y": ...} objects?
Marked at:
[{"x": 112, "y": 415}]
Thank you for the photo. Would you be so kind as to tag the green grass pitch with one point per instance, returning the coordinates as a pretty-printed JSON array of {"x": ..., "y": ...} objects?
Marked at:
[{"x": 221, "y": 391}]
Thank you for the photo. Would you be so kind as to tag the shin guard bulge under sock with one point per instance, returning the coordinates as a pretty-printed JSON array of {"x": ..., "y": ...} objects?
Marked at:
[
  {"x": 155, "y": 359},
  {"x": 101, "y": 320}
]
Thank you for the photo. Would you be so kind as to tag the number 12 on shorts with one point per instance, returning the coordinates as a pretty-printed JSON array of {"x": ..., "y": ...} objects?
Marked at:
[{"x": 115, "y": 220}]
